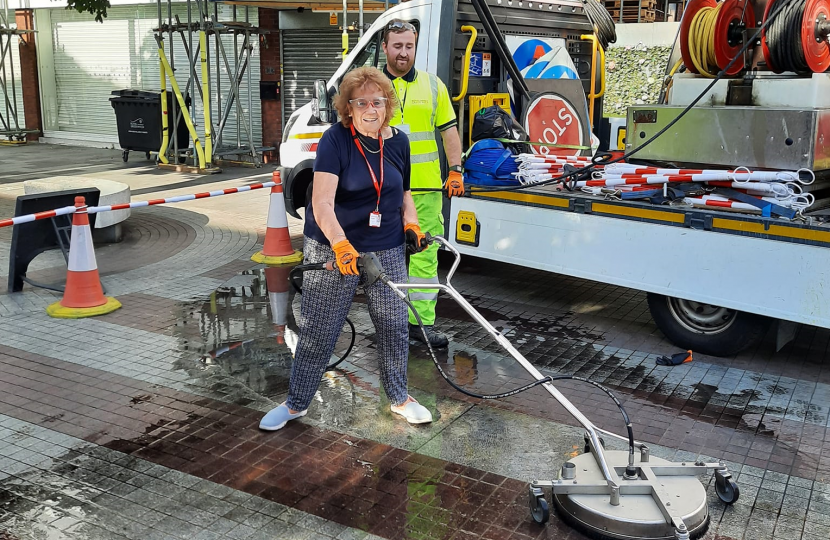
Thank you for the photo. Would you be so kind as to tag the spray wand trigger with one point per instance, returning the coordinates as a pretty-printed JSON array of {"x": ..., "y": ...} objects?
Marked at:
[{"x": 372, "y": 267}]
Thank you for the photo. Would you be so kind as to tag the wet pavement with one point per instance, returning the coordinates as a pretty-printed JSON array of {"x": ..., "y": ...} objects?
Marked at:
[
  {"x": 178, "y": 463},
  {"x": 143, "y": 423}
]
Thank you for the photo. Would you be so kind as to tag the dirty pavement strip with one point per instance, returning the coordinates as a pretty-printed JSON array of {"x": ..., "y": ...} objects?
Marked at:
[{"x": 143, "y": 423}]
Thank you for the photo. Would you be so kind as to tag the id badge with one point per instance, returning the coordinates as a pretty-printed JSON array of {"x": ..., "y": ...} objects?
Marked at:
[
  {"x": 405, "y": 128},
  {"x": 374, "y": 219}
]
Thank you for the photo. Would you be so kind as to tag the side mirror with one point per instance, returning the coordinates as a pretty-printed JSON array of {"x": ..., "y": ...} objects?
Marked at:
[{"x": 320, "y": 105}]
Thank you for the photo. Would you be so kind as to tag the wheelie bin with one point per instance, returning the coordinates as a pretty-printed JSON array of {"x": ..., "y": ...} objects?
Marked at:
[{"x": 138, "y": 116}]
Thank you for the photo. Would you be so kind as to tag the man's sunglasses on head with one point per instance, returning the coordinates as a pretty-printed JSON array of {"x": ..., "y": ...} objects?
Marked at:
[{"x": 400, "y": 26}]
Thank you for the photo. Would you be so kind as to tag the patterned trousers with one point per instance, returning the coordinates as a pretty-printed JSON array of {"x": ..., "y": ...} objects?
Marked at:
[{"x": 326, "y": 299}]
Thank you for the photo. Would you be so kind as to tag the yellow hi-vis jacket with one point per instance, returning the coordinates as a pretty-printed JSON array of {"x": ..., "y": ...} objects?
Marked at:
[{"x": 424, "y": 105}]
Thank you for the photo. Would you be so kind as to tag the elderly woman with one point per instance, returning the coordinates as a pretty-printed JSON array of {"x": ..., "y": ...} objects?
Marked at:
[{"x": 360, "y": 203}]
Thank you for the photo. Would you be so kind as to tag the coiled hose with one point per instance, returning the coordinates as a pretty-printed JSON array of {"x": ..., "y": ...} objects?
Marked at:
[
  {"x": 702, "y": 41},
  {"x": 784, "y": 39},
  {"x": 601, "y": 20}
]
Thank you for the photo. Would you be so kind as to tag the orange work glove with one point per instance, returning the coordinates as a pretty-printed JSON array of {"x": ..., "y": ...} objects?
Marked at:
[
  {"x": 455, "y": 185},
  {"x": 345, "y": 256},
  {"x": 416, "y": 241}
]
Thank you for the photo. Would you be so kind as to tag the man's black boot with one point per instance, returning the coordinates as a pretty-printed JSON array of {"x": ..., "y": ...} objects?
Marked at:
[{"x": 437, "y": 340}]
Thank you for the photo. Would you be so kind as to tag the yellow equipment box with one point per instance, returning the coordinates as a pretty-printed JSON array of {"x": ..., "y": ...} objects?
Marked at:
[{"x": 482, "y": 102}]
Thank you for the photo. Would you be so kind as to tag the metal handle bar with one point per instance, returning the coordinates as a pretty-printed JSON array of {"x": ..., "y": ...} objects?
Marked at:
[
  {"x": 557, "y": 395},
  {"x": 449, "y": 247},
  {"x": 372, "y": 266}
]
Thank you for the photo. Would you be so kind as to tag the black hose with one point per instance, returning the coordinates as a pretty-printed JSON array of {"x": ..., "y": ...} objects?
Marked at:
[
  {"x": 602, "y": 21},
  {"x": 784, "y": 40},
  {"x": 54, "y": 288},
  {"x": 520, "y": 389},
  {"x": 292, "y": 278},
  {"x": 322, "y": 266},
  {"x": 616, "y": 401}
]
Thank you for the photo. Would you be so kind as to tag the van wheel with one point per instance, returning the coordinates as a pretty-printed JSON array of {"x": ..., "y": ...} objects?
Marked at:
[{"x": 705, "y": 328}]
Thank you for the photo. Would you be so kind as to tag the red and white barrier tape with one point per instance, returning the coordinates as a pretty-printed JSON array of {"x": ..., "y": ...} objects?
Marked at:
[
  {"x": 535, "y": 158},
  {"x": 96, "y": 209},
  {"x": 739, "y": 174},
  {"x": 783, "y": 188},
  {"x": 40, "y": 215},
  {"x": 180, "y": 198},
  {"x": 721, "y": 203}
]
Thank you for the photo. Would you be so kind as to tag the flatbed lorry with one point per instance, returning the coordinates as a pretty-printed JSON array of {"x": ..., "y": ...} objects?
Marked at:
[{"x": 715, "y": 279}]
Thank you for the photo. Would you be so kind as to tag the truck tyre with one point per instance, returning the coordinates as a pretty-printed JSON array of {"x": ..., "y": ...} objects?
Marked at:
[
  {"x": 301, "y": 189},
  {"x": 705, "y": 328}
]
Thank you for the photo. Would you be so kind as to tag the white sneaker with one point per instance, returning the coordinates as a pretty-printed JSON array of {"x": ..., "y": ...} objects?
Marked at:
[
  {"x": 278, "y": 417},
  {"x": 414, "y": 412}
]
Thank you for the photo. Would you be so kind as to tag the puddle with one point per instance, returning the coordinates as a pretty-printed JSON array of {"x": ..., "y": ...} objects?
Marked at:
[
  {"x": 242, "y": 340},
  {"x": 239, "y": 344},
  {"x": 38, "y": 503}
]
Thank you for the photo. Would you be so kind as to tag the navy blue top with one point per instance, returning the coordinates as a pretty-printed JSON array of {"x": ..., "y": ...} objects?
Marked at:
[{"x": 356, "y": 196}]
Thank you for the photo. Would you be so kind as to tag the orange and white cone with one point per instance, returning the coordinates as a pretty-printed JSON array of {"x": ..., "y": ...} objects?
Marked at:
[
  {"x": 277, "y": 248},
  {"x": 83, "y": 295},
  {"x": 276, "y": 281},
  {"x": 216, "y": 353}
]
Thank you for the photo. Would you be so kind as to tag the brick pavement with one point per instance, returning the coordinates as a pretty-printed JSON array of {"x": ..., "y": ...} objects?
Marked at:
[
  {"x": 355, "y": 482},
  {"x": 142, "y": 423},
  {"x": 682, "y": 435},
  {"x": 83, "y": 490}
]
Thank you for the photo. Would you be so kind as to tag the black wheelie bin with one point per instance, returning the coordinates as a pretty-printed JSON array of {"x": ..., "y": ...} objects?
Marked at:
[{"x": 138, "y": 116}]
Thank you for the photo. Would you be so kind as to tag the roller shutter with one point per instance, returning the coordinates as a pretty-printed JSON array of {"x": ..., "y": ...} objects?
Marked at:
[
  {"x": 308, "y": 55},
  {"x": 93, "y": 59}
]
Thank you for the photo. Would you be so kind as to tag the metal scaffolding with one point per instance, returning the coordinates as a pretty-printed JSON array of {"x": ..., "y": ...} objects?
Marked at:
[
  {"x": 206, "y": 80},
  {"x": 11, "y": 128}
]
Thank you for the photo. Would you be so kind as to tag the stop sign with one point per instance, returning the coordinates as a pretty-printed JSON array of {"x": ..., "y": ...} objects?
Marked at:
[{"x": 551, "y": 119}]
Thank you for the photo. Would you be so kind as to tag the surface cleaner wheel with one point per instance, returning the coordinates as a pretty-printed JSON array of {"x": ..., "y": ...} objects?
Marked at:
[
  {"x": 726, "y": 488},
  {"x": 637, "y": 516},
  {"x": 539, "y": 510}
]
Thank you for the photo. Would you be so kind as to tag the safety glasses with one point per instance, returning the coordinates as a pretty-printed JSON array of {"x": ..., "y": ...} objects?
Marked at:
[{"x": 360, "y": 103}]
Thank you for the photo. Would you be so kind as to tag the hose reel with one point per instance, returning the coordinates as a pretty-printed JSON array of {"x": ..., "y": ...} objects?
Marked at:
[
  {"x": 734, "y": 18},
  {"x": 712, "y": 33}
]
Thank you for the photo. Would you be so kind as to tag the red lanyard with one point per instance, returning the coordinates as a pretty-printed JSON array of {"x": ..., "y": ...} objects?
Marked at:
[{"x": 378, "y": 186}]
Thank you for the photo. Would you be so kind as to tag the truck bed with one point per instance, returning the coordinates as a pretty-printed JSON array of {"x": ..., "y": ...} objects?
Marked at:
[
  {"x": 769, "y": 267},
  {"x": 809, "y": 231}
]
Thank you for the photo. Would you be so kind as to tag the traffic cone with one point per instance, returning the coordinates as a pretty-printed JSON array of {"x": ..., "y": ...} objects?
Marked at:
[
  {"x": 216, "y": 353},
  {"x": 277, "y": 248},
  {"x": 276, "y": 281},
  {"x": 83, "y": 295}
]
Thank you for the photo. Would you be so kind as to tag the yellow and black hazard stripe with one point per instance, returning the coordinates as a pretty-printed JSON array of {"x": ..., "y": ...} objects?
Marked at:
[{"x": 744, "y": 225}]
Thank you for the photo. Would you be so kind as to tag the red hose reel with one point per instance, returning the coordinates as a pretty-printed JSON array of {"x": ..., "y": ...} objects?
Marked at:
[
  {"x": 815, "y": 28},
  {"x": 736, "y": 16}
]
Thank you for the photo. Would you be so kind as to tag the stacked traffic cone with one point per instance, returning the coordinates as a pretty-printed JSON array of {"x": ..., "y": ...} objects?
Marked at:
[
  {"x": 83, "y": 295},
  {"x": 276, "y": 281},
  {"x": 277, "y": 248}
]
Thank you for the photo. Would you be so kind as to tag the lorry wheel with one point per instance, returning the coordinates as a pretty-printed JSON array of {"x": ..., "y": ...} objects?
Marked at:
[{"x": 705, "y": 328}]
